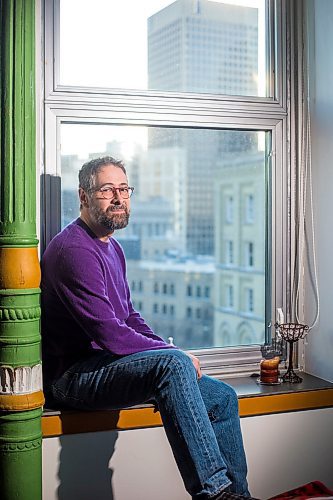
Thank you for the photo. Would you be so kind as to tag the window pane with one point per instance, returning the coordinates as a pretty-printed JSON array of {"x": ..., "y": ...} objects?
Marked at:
[
  {"x": 198, "y": 272},
  {"x": 184, "y": 46}
]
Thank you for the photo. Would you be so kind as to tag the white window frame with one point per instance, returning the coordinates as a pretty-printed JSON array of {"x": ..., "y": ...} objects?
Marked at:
[{"x": 153, "y": 108}]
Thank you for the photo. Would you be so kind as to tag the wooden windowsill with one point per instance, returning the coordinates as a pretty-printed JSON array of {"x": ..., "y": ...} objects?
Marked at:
[{"x": 254, "y": 400}]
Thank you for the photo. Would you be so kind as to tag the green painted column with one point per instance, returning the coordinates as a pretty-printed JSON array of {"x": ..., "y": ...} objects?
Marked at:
[{"x": 21, "y": 396}]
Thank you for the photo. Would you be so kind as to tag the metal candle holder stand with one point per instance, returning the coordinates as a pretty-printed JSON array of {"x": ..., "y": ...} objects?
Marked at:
[{"x": 291, "y": 333}]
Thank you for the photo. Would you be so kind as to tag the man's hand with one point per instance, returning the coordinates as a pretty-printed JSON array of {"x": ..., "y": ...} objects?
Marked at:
[{"x": 196, "y": 364}]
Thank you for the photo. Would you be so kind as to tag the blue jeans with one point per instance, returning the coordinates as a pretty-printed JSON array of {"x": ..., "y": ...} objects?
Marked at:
[{"x": 200, "y": 417}]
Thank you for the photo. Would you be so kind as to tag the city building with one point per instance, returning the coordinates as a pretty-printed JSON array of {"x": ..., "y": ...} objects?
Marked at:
[
  {"x": 240, "y": 253},
  {"x": 210, "y": 47},
  {"x": 175, "y": 297}
]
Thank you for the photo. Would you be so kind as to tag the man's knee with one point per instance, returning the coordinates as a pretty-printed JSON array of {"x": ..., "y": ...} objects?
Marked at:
[
  {"x": 218, "y": 394},
  {"x": 180, "y": 361},
  {"x": 229, "y": 394},
  {"x": 233, "y": 399}
]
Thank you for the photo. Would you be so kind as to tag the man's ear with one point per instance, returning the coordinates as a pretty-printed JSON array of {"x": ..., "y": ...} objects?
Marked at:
[{"x": 84, "y": 200}]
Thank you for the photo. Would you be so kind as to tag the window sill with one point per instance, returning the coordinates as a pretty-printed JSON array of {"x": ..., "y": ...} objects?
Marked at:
[{"x": 254, "y": 400}]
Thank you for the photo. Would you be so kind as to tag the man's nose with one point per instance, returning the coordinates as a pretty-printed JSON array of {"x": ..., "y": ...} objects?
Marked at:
[{"x": 117, "y": 196}]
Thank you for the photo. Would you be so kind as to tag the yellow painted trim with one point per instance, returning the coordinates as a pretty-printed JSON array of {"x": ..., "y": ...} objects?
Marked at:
[
  {"x": 282, "y": 403},
  {"x": 71, "y": 422},
  {"x": 76, "y": 422},
  {"x": 19, "y": 268},
  {"x": 21, "y": 402}
]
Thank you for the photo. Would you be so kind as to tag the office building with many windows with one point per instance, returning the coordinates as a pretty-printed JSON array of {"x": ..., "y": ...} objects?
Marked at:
[{"x": 202, "y": 46}]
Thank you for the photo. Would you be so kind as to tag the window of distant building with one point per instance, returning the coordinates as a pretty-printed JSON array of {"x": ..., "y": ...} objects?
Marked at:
[
  {"x": 229, "y": 296},
  {"x": 249, "y": 294},
  {"x": 249, "y": 254},
  {"x": 249, "y": 209},
  {"x": 229, "y": 209},
  {"x": 229, "y": 252}
]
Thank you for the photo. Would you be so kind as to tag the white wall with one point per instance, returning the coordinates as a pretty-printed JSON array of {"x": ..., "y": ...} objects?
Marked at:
[
  {"x": 284, "y": 451},
  {"x": 319, "y": 352}
]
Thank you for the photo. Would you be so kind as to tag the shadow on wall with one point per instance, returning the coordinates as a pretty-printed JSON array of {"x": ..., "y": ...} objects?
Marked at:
[
  {"x": 84, "y": 473},
  {"x": 50, "y": 208}
]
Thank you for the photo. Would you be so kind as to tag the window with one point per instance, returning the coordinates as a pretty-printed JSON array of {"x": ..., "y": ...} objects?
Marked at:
[
  {"x": 229, "y": 209},
  {"x": 249, "y": 254},
  {"x": 229, "y": 296},
  {"x": 154, "y": 56},
  {"x": 193, "y": 148},
  {"x": 249, "y": 209},
  {"x": 229, "y": 252},
  {"x": 249, "y": 300}
]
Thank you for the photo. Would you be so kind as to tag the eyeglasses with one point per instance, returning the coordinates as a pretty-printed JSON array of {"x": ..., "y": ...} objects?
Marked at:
[{"x": 109, "y": 192}]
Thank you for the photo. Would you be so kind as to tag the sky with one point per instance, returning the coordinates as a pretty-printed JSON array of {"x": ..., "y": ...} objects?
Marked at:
[{"x": 107, "y": 47}]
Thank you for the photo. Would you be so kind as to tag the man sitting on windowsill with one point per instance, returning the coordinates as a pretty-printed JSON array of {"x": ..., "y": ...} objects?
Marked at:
[{"x": 98, "y": 352}]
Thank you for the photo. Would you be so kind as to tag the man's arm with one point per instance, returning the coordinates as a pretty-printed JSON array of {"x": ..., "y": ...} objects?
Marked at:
[
  {"x": 136, "y": 321},
  {"x": 80, "y": 285},
  {"x": 139, "y": 324}
]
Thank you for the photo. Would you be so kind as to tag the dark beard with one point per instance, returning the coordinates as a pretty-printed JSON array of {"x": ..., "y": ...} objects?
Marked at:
[{"x": 109, "y": 220}]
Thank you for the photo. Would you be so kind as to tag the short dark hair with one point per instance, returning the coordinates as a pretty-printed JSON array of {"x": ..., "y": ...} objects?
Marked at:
[{"x": 90, "y": 169}]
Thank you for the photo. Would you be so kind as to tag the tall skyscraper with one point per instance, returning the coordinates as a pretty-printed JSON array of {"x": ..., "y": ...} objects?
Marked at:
[{"x": 207, "y": 47}]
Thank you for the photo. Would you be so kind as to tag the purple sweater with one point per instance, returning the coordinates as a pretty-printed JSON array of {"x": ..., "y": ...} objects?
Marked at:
[{"x": 86, "y": 302}]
